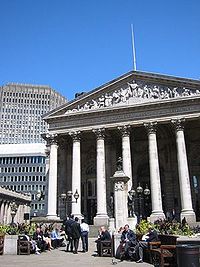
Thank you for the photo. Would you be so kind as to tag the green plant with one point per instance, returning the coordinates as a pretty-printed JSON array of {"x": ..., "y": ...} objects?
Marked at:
[
  {"x": 143, "y": 227},
  {"x": 165, "y": 227},
  {"x": 2, "y": 229}
]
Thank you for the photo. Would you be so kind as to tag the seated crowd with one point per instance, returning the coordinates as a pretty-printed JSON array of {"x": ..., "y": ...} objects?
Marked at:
[
  {"x": 44, "y": 238},
  {"x": 48, "y": 237}
]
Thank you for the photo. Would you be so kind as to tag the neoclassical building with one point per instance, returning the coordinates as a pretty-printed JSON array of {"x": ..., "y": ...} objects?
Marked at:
[
  {"x": 152, "y": 121},
  {"x": 13, "y": 204}
]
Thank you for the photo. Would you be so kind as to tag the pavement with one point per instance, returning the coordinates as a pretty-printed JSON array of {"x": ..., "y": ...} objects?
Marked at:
[{"x": 59, "y": 257}]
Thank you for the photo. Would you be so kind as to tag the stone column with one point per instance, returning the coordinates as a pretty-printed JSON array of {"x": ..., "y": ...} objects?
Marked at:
[
  {"x": 52, "y": 185},
  {"x": 47, "y": 165},
  {"x": 184, "y": 179},
  {"x": 2, "y": 211},
  {"x": 5, "y": 218},
  {"x": 101, "y": 216},
  {"x": 76, "y": 172},
  {"x": 126, "y": 153},
  {"x": 156, "y": 196},
  {"x": 8, "y": 217}
]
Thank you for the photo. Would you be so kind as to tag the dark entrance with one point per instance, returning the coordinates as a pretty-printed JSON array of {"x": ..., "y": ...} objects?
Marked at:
[{"x": 91, "y": 200}]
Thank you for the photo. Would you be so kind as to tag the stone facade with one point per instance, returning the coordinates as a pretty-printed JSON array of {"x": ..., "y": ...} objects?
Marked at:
[
  {"x": 152, "y": 122},
  {"x": 22, "y": 202}
]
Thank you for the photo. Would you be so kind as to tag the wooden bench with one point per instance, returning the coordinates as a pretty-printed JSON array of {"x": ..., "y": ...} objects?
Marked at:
[
  {"x": 165, "y": 252},
  {"x": 107, "y": 247},
  {"x": 1, "y": 244},
  {"x": 23, "y": 246}
]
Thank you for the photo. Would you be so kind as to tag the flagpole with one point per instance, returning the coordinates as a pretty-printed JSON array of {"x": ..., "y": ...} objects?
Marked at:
[{"x": 133, "y": 48}]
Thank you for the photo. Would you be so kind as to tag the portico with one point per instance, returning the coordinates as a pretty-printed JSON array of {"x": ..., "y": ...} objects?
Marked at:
[{"x": 136, "y": 117}]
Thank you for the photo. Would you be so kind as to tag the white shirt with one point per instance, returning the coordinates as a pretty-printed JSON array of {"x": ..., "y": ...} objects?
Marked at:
[{"x": 84, "y": 227}]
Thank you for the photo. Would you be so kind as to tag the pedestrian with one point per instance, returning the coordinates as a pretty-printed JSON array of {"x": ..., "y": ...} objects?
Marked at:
[
  {"x": 68, "y": 231},
  {"x": 76, "y": 233},
  {"x": 84, "y": 235}
]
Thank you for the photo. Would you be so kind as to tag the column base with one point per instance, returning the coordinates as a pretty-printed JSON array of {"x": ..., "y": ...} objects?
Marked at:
[
  {"x": 111, "y": 224},
  {"x": 189, "y": 215},
  {"x": 101, "y": 220},
  {"x": 157, "y": 215},
  {"x": 53, "y": 217},
  {"x": 132, "y": 221}
]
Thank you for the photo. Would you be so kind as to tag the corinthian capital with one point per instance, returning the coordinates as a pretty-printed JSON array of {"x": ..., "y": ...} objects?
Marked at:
[
  {"x": 52, "y": 139},
  {"x": 76, "y": 136},
  {"x": 100, "y": 133},
  {"x": 125, "y": 130},
  {"x": 151, "y": 127},
  {"x": 178, "y": 124}
]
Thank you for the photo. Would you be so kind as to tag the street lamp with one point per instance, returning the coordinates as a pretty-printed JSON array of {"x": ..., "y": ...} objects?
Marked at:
[
  {"x": 138, "y": 194},
  {"x": 67, "y": 199},
  {"x": 13, "y": 207},
  {"x": 40, "y": 195}
]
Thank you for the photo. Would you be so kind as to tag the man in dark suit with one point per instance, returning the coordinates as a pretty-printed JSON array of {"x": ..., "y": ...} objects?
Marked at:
[
  {"x": 76, "y": 233},
  {"x": 104, "y": 235},
  {"x": 128, "y": 239},
  {"x": 68, "y": 231}
]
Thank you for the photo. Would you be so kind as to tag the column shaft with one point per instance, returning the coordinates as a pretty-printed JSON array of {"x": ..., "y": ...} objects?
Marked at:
[
  {"x": 76, "y": 173},
  {"x": 101, "y": 216},
  {"x": 156, "y": 197},
  {"x": 126, "y": 154},
  {"x": 184, "y": 179},
  {"x": 52, "y": 186}
]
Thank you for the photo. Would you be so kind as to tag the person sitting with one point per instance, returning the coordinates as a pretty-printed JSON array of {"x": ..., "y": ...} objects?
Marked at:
[
  {"x": 56, "y": 239},
  {"x": 38, "y": 237},
  {"x": 47, "y": 238},
  {"x": 129, "y": 243},
  {"x": 151, "y": 236},
  {"x": 104, "y": 235},
  {"x": 33, "y": 245}
]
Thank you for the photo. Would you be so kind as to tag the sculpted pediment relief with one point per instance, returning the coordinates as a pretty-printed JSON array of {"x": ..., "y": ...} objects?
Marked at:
[{"x": 132, "y": 93}]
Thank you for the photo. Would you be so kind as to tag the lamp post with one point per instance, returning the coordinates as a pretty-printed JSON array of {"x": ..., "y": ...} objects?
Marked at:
[
  {"x": 139, "y": 194},
  {"x": 13, "y": 207},
  {"x": 67, "y": 199},
  {"x": 40, "y": 195}
]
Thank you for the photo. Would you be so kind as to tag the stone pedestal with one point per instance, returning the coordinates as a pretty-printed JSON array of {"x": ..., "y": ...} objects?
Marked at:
[
  {"x": 10, "y": 244},
  {"x": 120, "y": 181}
]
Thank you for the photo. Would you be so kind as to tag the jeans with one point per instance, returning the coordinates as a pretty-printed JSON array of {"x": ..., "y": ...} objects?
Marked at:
[{"x": 84, "y": 238}]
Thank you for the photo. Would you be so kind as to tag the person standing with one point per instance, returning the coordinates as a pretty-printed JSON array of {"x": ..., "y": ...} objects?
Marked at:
[
  {"x": 76, "y": 233},
  {"x": 68, "y": 231},
  {"x": 84, "y": 235}
]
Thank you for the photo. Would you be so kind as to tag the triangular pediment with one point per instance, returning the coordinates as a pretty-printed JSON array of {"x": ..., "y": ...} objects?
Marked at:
[{"x": 131, "y": 89}]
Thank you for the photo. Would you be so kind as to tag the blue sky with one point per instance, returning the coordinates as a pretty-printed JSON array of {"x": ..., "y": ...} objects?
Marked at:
[{"x": 77, "y": 45}]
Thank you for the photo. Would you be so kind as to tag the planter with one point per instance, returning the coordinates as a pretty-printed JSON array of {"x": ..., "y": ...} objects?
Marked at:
[{"x": 2, "y": 243}]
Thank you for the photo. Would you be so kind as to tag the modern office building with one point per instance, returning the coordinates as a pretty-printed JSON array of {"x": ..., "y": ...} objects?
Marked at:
[
  {"x": 152, "y": 122},
  {"x": 21, "y": 107},
  {"x": 22, "y": 149}
]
